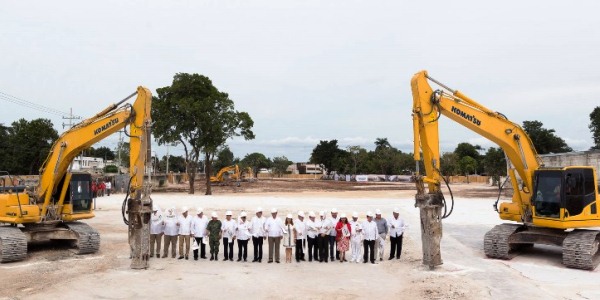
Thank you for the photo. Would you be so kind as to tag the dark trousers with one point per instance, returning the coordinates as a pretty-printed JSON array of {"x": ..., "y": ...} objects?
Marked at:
[
  {"x": 257, "y": 242},
  {"x": 299, "y": 250},
  {"x": 332, "y": 248},
  {"x": 313, "y": 248},
  {"x": 369, "y": 245},
  {"x": 322, "y": 241},
  {"x": 396, "y": 249},
  {"x": 243, "y": 247},
  {"x": 228, "y": 248},
  {"x": 202, "y": 248}
]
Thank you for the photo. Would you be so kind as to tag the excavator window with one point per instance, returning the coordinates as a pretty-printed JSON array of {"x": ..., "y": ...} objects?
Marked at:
[
  {"x": 547, "y": 196},
  {"x": 80, "y": 192}
]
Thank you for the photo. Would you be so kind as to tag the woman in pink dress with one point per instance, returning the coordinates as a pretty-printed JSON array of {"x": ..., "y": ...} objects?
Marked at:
[{"x": 343, "y": 230}]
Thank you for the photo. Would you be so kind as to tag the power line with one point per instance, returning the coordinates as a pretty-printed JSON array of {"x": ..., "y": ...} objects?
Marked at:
[{"x": 29, "y": 104}]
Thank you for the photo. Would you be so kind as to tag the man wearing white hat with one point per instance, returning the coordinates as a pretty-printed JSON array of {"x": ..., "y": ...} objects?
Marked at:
[
  {"x": 228, "y": 228},
  {"x": 331, "y": 222},
  {"x": 356, "y": 238},
  {"x": 171, "y": 230},
  {"x": 382, "y": 230},
  {"x": 369, "y": 229},
  {"x": 185, "y": 233},
  {"x": 156, "y": 230},
  {"x": 274, "y": 231},
  {"x": 257, "y": 229},
  {"x": 300, "y": 226},
  {"x": 199, "y": 223},
  {"x": 213, "y": 230},
  {"x": 312, "y": 233},
  {"x": 396, "y": 231},
  {"x": 323, "y": 238},
  {"x": 243, "y": 235}
]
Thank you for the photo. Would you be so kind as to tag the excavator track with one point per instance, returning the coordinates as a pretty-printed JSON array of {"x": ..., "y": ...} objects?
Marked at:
[
  {"x": 495, "y": 242},
  {"x": 580, "y": 249},
  {"x": 88, "y": 239},
  {"x": 13, "y": 244}
]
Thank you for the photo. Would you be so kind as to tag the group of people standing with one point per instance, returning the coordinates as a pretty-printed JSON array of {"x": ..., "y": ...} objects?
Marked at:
[
  {"x": 327, "y": 237},
  {"x": 99, "y": 188}
]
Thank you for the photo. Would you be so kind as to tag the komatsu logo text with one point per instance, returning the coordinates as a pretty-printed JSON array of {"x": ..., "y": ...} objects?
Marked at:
[
  {"x": 108, "y": 125},
  {"x": 470, "y": 118}
]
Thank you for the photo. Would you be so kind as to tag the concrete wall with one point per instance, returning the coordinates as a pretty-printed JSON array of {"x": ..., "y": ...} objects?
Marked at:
[{"x": 584, "y": 158}]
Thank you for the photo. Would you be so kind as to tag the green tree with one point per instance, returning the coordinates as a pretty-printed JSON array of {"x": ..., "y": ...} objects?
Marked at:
[
  {"x": 280, "y": 165},
  {"x": 449, "y": 164},
  {"x": 382, "y": 143},
  {"x": 358, "y": 158},
  {"x": 176, "y": 164},
  {"x": 256, "y": 161},
  {"x": 103, "y": 152},
  {"x": 111, "y": 169},
  {"x": 325, "y": 154},
  {"x": 494, "y": 164},
  {"x": 193, "y": 112},
  {"x": 30, "y": 142},
  {"x": 595, "y": 127},
  {"x": 224, "y": 159},
  {"x": 467, "y": 165},
  {"x": 544, "y": 140},
  {"x": 5, "y": 164},
  {"x": 123, "y": 154}
]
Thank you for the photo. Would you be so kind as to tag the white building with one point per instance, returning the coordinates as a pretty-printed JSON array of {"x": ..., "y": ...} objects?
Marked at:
[{"x": 90, "y": 164}]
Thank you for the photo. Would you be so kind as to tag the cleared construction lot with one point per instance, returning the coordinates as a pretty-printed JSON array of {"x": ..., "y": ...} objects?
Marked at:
[{"x": 51, "y": 271}]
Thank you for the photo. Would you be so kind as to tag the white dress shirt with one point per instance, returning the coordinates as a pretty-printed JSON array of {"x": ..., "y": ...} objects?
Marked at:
[
  {"x": 156, "y": 225},
  {"x": 332, "y": 222},
  {"x": 369, "y": 230},
  {"x": 312, "y": 228},
  {"x": 300, "y": 229},
  {"x": 396, "y": 226},
  {"x": 274, "y": 227},
  {"x": 356, "y": 235},
  {"x": 228, "y": 228},
  {"x": 257, "y": 227},
  {"x": 171, "y": 227},
  {"x": 185, "y": 225},
  {"x": 242, "y": 230},
  {"x": 324, "y": 228},
  {"x": 199, "y": 226}
]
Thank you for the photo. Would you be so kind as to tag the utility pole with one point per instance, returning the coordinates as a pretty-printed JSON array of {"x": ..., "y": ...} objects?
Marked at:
[
  {"x": 71, "y": 117},
  {"x": 167, "y": 160}
]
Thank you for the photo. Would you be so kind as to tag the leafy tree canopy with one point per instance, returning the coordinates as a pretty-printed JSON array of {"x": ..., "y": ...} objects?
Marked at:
[
  {"x": 256, "y": 161},
  {"x": 280, "y": 165},
  {"x": 595, "y": 127},
  {"x": 544, "y": 140}
]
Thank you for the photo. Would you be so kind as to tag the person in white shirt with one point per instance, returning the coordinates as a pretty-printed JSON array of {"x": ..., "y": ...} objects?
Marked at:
[
  {"x": 369, "y": 229},
  {"x": 312, "y": 232},
  {"x": 185, "y": 233},
  {"x": 355, "y": 238},
  {"x": 199, "y": 223},
  {"x": 243, "y": 235},
  {"x": 228, "y": 228},
  {"x": 300, "y": 226},
  {"x": 323, "y": 237},
  {"x": 258, "y": 234},
  {"x": 274, "y": 231},
  {"x": 331, "y": 223},
  {"x": 396, "y": 231},
  {"x": 170, "y": 230},
  {"x": 108, "y": 186},
  {"x": 156, "y": 230}
]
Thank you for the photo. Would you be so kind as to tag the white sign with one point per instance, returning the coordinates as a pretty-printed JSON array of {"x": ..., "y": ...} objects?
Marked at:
[{"x": 362, "y": 178}]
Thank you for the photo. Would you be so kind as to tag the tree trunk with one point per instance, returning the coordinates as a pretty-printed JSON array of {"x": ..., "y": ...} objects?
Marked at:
[
  {"x": 208, "y": 168},
  {"x": 191, "y": 172}
]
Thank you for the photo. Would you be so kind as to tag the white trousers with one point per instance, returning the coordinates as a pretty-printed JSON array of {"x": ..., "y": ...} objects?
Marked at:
[
  {"x": 380, "y": 246},
  {"x": 356, "y": 247}
]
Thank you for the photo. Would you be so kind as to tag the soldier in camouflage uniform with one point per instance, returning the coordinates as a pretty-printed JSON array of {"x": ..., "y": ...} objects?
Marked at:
[{"x": 214, "y": 235}]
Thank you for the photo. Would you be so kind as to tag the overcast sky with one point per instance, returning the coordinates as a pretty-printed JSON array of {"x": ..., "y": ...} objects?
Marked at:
[{"x": 310, "y": 70}]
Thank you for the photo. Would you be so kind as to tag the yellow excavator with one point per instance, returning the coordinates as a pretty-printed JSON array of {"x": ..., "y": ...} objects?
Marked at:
[
  {"x": 226, "y": 174},
  {"x": 53, "y": 209},
  {"x": 550, "y": 206}
]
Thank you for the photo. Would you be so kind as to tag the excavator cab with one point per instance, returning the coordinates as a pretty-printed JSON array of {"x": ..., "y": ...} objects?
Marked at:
[
  {"x": 565, "y": 193},
  {"x": 80, "y": 191}
]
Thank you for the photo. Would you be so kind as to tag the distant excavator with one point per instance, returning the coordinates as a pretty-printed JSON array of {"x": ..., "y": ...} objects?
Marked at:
[
  {"x": 53, "y": 210},
  {"x": 227, "y": 174},
  {"x": 551, "y": 206}
]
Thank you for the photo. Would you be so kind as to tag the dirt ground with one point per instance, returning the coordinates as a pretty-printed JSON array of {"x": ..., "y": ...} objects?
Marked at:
[{"x": 52, "y": 271}]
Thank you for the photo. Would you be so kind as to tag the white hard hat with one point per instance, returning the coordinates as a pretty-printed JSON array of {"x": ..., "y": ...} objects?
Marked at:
[
  {"x": 184, "y": 209},
  {"x": 228, "y": 213},
  {"x": 342, "y": 216},
  {"x": 369, "y": 214},
  {"x": 213, "y": 214},
  {"x": 199, "y": 210},
  {"x": 243, "y": 214},
  {"x": 377, "y": 211},
  {"x": 300, "y": 214},
  {"x": 322, "y": 213},
  {"x": 273, "y": 210},
  {"x": 396, "y": 210},
  {"x": 259, "y": 209},
  {"x": 355, "y": 215},
  {"x": 334, "y": 210},
  {"x": 289, "y": 216},
  {"x": 311, "y": 214}
]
